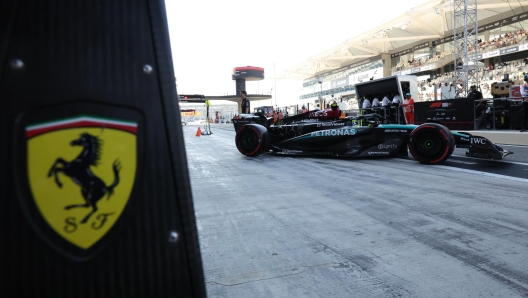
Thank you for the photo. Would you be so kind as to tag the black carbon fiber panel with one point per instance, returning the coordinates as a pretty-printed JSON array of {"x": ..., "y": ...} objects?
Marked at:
[{"x": 88, "y": 57}]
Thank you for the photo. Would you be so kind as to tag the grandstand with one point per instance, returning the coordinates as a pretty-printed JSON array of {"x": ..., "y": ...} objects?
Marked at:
[{"x": 420, "y": 42}]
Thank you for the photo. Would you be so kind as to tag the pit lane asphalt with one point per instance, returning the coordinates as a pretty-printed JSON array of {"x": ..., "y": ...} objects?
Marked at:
[{"x": 281, "y": 226}]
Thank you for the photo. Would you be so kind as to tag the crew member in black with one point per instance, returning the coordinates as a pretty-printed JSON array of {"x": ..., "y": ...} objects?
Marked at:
[
  {"x": 245, "y": 102},
  {"x": 525, "y": 118},
  {"x": 480, "y": 106},
  {"x": 474, "y": 93}
]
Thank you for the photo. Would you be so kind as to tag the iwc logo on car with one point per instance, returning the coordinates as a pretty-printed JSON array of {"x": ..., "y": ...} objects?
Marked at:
[{"x": 76, "y": 174}]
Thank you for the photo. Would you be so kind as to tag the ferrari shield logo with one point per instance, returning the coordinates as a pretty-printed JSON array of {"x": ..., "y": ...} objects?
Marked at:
[{"x": 81, "y": 172}]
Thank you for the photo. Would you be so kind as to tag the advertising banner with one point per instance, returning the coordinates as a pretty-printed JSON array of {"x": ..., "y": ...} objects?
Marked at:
[
  {"x": 421, "y": 46},
  {"x": 376, "y": 73},
  {"x": 491, "y": 54},
  {"x": 341, "y": 82},
  {"x": 453, "y": 113},
  {"x": 509, "y": 50},
  {"x": 428, "y": 67}
]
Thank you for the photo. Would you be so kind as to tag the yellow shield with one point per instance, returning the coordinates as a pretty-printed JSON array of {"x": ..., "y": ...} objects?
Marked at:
[{"x": 81, "y": 172}]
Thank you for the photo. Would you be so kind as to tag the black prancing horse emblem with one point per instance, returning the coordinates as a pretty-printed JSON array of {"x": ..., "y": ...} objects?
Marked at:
[{"x": 93, "y": 188}]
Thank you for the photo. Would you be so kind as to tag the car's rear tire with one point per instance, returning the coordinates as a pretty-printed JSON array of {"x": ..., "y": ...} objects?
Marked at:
[
  {"x": 431, "y": 143},
  {"x": 252, "y": 139}
]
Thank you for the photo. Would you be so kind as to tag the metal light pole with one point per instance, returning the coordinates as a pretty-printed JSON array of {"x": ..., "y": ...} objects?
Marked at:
[{"x": 465, "y": 37}]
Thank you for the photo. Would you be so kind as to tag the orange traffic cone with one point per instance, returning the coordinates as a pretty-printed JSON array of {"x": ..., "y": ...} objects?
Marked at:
[{"x": 199, "y": 132}]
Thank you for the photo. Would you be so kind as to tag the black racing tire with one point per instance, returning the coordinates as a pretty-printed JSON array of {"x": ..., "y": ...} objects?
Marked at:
[
  {"x": 431, "y": 143},
  {"x": 252, "y": 139}
]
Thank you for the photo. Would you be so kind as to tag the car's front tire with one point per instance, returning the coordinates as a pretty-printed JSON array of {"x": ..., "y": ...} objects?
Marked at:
[
  {"x": 431, "y": 143},
  {"x": 252, "y": 139}
]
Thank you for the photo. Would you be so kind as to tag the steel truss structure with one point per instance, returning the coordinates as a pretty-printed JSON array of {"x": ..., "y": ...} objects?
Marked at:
[{"x": 465, "y": 32}]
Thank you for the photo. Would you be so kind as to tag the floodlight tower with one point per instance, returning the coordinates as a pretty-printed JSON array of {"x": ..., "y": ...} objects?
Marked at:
[
  {"x": 465, "y": 37},
  {"x": 246, "y": 73}
]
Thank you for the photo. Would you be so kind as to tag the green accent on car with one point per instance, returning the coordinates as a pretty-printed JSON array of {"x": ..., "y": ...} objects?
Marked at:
[
  {"x": 455, "y": 133},
  {"x": 428, "y": 144},
  {"x": 397, "y": 126}
]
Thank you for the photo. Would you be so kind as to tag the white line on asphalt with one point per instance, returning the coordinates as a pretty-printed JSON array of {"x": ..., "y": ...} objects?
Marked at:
[
  {"x": 518, "y": 146},
  {"x": 482, "y": 173},
  {"x": 471, "y": 171},
  {"x": 461, "y": 161},
  {"x": 501, "y": 161}
]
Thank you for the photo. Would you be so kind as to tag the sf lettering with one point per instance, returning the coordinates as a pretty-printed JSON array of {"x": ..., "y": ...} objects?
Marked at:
[{"x": 71, "y": 225}]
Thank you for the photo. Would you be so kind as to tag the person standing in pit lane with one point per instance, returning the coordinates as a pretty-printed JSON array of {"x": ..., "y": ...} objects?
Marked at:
[
  {"x": 525, "y": 118},
  {"x": 279, "y": 117},
  {"x": 303, "y": 110},
  {"x": 480, "y": 105},
  {"x": 245, "y": 102},
  {"x": 408, "y": 105},
  {"x": 525, "y": 103},
  {"x": 474, "y": 93}
]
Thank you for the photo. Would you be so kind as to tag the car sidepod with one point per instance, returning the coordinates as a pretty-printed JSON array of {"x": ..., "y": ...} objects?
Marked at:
[
  {"x": 320, "y": 139},
  {"x": 351, "y": 141}
]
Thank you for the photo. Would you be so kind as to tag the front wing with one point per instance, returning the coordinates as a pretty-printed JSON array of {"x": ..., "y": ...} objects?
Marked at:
[{"x": 479, "y": 147}]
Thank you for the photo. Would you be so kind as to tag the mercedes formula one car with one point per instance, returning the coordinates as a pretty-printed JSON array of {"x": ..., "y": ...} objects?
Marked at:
[{"x": 329, "y": 133}]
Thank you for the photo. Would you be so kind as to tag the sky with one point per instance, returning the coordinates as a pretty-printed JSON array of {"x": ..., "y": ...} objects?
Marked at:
[{"x": 209, "y": 38}]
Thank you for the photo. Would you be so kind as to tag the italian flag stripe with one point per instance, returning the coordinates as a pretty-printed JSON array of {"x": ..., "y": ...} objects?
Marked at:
[{"x": 81, "y": 121}]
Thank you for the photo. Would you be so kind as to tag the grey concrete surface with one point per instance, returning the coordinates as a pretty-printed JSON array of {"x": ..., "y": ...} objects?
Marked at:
[{"x": 279, "y": 226}]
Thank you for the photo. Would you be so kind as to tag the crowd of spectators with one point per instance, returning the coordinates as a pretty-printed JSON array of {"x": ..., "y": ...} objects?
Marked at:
[
  {"x": 487, "y": 76},
  {"x": 348, "y": 72},
  {"x": 505, "y": 40},
  {"x": 339, "y": 75},
  {"x": 421, "y": 61},
  {"x": 508, "y": 39}
]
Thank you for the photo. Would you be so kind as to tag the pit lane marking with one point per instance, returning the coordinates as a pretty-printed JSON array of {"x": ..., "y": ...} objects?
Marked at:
[
  {"x": 482, "y": 173},
  {"x": 518, "y": 146},
  {"x": 461, "y": 161},
  {"x": 493, "y": 160},
  {"x": 469, "y": 171}
]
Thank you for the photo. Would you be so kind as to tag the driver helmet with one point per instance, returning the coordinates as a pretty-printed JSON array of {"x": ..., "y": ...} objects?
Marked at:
[
  {"x": 407, "y": 94},
  {"x": 334, "y": 106}
]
